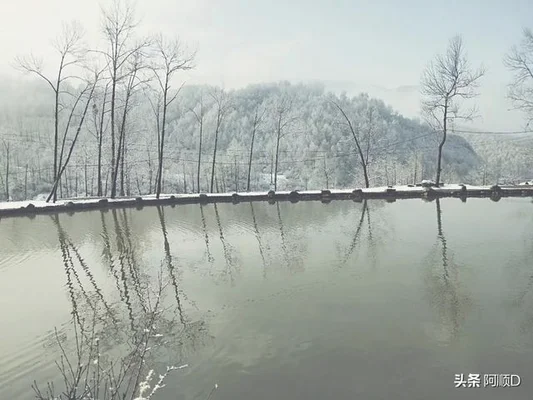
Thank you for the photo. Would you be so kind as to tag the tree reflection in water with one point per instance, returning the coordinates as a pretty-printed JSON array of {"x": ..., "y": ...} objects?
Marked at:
[
  {"x": 259, "y": 241},
  {"x": 523, "y": 300},
  {"x": 446, "y": 293},
  {"x": 110, "y": 346},
  {"x": 169, "y": 264},
  {"x": 356, "y": 237},
  {"x": 209, "y": 256},
  {"x": 293, "y": 249},
  {"x": 283, "y": 240},
  {"x": 230, "y": 253},
  {"x": 376, "y": 236}
]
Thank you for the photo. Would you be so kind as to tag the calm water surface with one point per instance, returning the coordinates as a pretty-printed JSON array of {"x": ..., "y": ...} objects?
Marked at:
[{"x": 287, "y": 301}]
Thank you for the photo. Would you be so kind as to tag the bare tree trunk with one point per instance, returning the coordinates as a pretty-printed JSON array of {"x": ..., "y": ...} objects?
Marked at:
[
  {"x": 225, "y": 184},
  {"x": 39, "y": 167},
  {"x": 122, "y": 161},
  {"x": 278, "y": 137},
  {"x": 415, "y": 180},
  {"x": 200, "y": 119},
  {"x": 354, "y": 133},
  {"x": 56, "y": 126},
  {"x": 92, "y": 184},
  {"x": 199, "y": 159},
  {"x": 6, "y": 145},
  {"x": 214, "y": 162},
  {"x": 74, "y": 141},
  {"x": 26, "y": 183},
  {"x": 121, "y": 139},
  {"x": 66, "y": 183},
  {"x": 222, "y": 108},
  {"x": 236, "y": 173},
  {"x": 250, "y": 162},
  {"x": 85, "y": 177},
  {"x": 76, "y": 182},
  {"x": 443, "y": 141},
  {"x": 257, "y": 120},
  {"x": 99, "y": 192},
  {"x": 272, "y": 171},
  {"x": 128, "y": 181},
  {"x": 33, "y": 185},
  {"x": 106, "y": 180},
  {"x": 365, "y": 173},
  {"x": 162, "y": 144},
  {"x": 150, "y": 173},
  {"x": 138, "y": 184},
  {"x": 185, "y": 180},
  {"x": 326, "y": 173},
  {"x": 113, "y": 145}
]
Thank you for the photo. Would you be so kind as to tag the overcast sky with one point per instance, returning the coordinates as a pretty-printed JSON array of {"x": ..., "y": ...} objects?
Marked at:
[{"x": 372, "y": 45}]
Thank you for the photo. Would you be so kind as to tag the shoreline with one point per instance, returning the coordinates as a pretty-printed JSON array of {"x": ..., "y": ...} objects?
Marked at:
[{"x": 390, "y": 194}]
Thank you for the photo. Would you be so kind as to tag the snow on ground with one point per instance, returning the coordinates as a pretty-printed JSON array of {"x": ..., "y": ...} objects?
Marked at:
[
  {"x": 403, "y": 188},
  {"x": 21, "y": 204},
  {"x": 41, "y": 203}
]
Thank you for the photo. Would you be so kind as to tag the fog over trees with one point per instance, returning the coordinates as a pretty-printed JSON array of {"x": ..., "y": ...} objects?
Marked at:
[{"x": 121, "y": 121}]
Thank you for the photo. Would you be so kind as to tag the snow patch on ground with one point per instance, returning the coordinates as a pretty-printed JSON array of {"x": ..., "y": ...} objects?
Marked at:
[
  {"x": 12, "y": 205},
  {"x": 40, "y": 202}
]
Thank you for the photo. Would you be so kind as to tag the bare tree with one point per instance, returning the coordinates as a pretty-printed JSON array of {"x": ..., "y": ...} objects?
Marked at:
[
  {"x": 259, "y": 115},
  {"x": 6, "y": 183},
  {"x": 87, "y": 91},
  {"x": 171, "y": 57},
  {"x": 283, "y": 118},
  {"x": 222, "y": 104},
  {"x": 326, "y": 172},
  {"x": 99, "y": 119},
  {"x": 118, "y": 28},
  {"x": 68, "y": 47},
  {"x": 446, "y": 81},
  {"x": 520, "y": 62},
  {"x": 200, "y": 119},
  {"x": 133, "y": 81},
  {"x": 355, "y": 129}
]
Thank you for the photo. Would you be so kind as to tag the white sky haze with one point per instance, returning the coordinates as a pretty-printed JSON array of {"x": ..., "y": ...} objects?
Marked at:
[{"x": 375, "y": 46}]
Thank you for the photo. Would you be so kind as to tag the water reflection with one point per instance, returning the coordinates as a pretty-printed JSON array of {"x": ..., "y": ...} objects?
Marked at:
[
  {"x": 377, "y": 233},
  {"x": 259, "y": 241},
  {"x": 169, "y": 264},
  {"x": 357, "y": 234},
  {"x": 445, "y": 291},
  {"x": 246, "y": 295},
  {"x": 522, "y": 300},
  {"x": 283, "y": 240},
  {"x": 75, "y": 287},
  {"x": 128, "y": 334},
  {"x": 208, "y": 254},
  {"x": 230, "y": 254},
  {"x": 293, "y": 243}
]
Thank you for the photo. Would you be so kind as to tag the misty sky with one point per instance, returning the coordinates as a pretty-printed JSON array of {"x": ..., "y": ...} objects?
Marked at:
[{"x": 376, "y": 46}]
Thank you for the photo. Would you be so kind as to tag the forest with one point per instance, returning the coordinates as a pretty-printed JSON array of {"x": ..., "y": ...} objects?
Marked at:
[{"x": 119, "y": 121}]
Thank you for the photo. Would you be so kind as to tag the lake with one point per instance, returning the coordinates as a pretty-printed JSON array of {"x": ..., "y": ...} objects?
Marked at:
[{"x": 346, "y": 300}]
